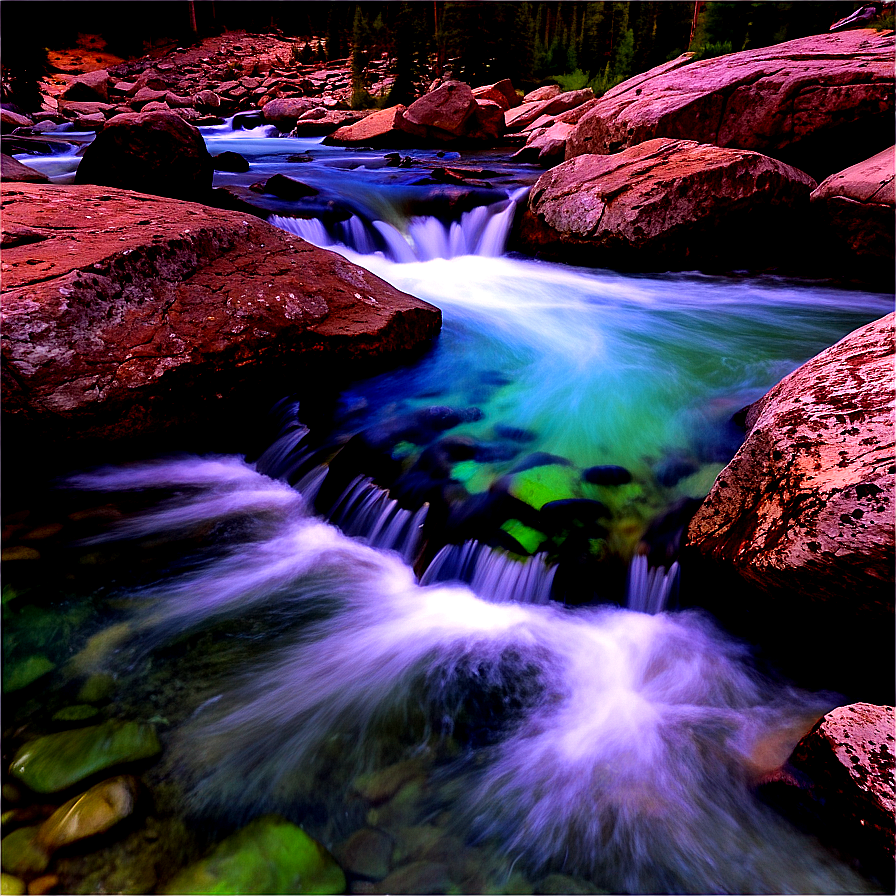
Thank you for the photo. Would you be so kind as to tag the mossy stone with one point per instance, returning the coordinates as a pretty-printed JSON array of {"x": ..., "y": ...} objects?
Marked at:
[
  {"x": 24, "y": 673},
  {"x": 269, "y": 855},
  {"x": 21, "y": 853},
  {"x": 80, "y": 712},
  {"x": 538, "y": 486},
  {"x": 528, "y": 538},
  {"x": 97, "y": 689},
  {"x": 57, "y": 761},
  {"x": 12, "y": 886}
]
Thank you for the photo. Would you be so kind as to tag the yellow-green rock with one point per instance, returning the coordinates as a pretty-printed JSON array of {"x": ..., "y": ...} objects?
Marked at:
[
  {"x": 98, "y": 688},
  {"x": 57, "y": 761},
  {"x": 551, "y": 482},
  {"x": 24, "y": 673},
  {"x": 80, "y": 712},
  {"x": 21, "y": 854},
  {"x": 12, "y": 886},
  {"x": 269, "y": 855},
  {"x": 93, "y": 812}
]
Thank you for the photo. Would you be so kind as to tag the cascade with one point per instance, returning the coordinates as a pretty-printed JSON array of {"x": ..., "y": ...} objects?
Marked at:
[
  {"x": 630, "y": 740},
  {"x": 481, "y": 231}
]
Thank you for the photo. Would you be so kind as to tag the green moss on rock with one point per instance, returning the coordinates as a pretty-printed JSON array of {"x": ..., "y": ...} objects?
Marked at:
[
  {"x": 269, "y": 855},
  {"x": 52, "y": 763}
]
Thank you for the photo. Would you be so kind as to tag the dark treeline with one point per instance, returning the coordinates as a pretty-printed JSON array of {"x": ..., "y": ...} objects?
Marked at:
[{"x": 573, "y": 43}]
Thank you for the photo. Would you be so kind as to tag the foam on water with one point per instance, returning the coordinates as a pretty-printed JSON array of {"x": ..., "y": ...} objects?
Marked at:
[{"x": 630, "y": 742}]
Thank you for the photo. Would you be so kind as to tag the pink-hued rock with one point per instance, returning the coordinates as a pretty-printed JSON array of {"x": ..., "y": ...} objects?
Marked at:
[
  {"x": 14, "y": 171},
  {"x": 548, "y": 92},
  {"x": 520, "y": 118},
  {"x": 805, "y": 507},
  {"x": 448, "y": 109},
  {"x": 321, "y": 121},
  {"x": 9, "y": 120},
  {"x": 501, "y": 92},
  {"x": 90, "y": 87},
  {"x": 139, "y": 313},
  {"x": 153, "y": 152},
  {"x": 839, "y": 778},
  {"x": 857, "y": 211},
  {"x": 819, "y": 102},
  {"x": 286, "y": 111},
  {"x": 489, "y": 121},
  {"x": 385, "y": 128},
  {"x": 75, "y": 109},
  {"x": 547, "y": 135},
  {"x": 664, "y": 204}
]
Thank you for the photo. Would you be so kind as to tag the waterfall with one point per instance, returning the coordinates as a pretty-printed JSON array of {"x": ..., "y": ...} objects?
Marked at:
[
  {"x": 630, "y": 740},
  {"x": 481, "y": 231},
  {"x": 491, "y": 574},
  {"x": 649, "y": 589}
]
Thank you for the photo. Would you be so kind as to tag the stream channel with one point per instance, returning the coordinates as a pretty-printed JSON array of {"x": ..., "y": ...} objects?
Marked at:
[{"x": 478, "y": 664}]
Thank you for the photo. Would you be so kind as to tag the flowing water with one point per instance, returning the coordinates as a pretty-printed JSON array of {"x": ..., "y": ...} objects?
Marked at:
[{"x": 332, "y": 635}]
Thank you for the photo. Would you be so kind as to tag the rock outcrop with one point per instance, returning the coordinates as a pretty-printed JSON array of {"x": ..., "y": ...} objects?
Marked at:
[
  {"x": 819, "y": 103},
  {"x": 804, "y": 511},
  {"x": 14, "y": 171},
  {"x": 138, "y": 313},
  {"x": 856, "y": 209},
  {"x": 839, "y": 783},
  {"x": 151, "y": 152},
  {"x": 664, "y": 204}
]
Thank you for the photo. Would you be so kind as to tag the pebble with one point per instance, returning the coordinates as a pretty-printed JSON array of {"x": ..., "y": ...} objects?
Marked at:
[
  {"x": 44, "y": 884},
  {"x": 11, "y": 886}
]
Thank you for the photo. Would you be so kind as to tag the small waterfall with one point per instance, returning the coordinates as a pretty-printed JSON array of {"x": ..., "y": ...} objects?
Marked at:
[
  {"x": 648, "y": 589},
  {"x": 492, "y": 575},
  {"x": 369, "y": 512},
  {"x": 624, "y": 744},
  {"x": 481, "y": 231}
]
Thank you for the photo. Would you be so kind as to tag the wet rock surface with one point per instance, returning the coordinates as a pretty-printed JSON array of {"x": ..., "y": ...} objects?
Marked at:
[
  {"x": 804, "y": 511},
  {"x": 111, "y": 322},
  {"x": 665, "y": 204},
  {"x": 819, "y": 103}
]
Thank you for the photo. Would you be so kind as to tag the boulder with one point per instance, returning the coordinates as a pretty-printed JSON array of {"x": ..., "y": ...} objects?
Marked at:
[
  {"x": 838, "y": 783},
  {"x": 140, "y": 314},
  {"x": 547, "y": 135},
  {"x": 147, "y": 95},
  {"x": 206, "y": 101},
  {"x": 664, "y": 204},
  {"x": 76, "y": 109},
  {"x": 56, "y": 761},
  {"x": 520, "y": 118},
  {"x": 320, "y": 122},
  {"x": 9, "y": 121},
  {"x": 12, "y": 170},
  {"x": 286, "y": 111},
  {"x": 819, "y": 103},
  {"x": 91, "y": 86},
  {"x": 152, "y": 152},
  {"x": 540, "y": 94},
  {"x": 489, "y": 122},
  {"x": 384, "y": 129},
  {"x": 447, "y": 109},
  {"x": 269, "y": 855},
  {"x": 501, "y": 92},
  {"x": 804, "y": 511},
  {"x": 856, "y": 209}
]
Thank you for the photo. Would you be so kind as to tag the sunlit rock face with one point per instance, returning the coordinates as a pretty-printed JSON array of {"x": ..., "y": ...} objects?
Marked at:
[
  {"x": 855, "y": 208},
  {"x": 665, "y": 204},
  {"x": 139, "y": 310},
  {"x": 804, "y": 511},
  {"x": 819, "y": 103}
]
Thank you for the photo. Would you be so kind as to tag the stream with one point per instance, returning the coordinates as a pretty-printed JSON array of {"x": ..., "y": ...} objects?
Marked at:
[{"x": 438, "y": 607}]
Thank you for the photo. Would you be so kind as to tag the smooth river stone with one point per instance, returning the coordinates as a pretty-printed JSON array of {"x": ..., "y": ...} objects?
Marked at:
[
  {"x": 269, "y": 855},
  {"x": 57, "y": 761},
  {"x": 21, "y": 855},
  {"x": 24, "y": 673},
  {"x": 93, "y": 812},
  {"x": 12, "y": 886}
]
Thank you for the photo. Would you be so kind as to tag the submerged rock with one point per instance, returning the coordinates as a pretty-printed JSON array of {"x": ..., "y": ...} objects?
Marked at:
[
  {"x": 12, "y": 886},
  {"x": 93, "y": 812},
  {"x": 666, "y": 205},
  {"x": 269, "y": 855},
  {"x": 819, "y": 102},
  {"x": 22, "y": 855},
  {"x": 367, "y": 853},
  {"x": 57, "y": 761},
  {"x": 28, "y": 671}
]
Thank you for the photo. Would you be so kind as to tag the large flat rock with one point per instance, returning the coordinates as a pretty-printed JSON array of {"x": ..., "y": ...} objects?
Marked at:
[
  {"x": 665, "y": 204},
  {"x": 125, "y": 314},
  {"x": 819, "y": 103}
]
